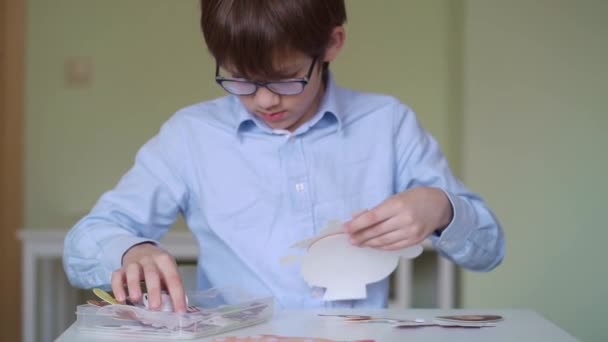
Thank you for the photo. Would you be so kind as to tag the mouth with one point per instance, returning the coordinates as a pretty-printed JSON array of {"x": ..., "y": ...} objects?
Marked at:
[{"x": 273, "y": 117}]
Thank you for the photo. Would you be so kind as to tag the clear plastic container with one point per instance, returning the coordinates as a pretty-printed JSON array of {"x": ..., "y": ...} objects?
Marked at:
[{"x": 220, "y": 310}]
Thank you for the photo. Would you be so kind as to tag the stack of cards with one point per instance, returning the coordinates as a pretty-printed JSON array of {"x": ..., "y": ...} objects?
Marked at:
[
  {"x": 457, "y": 321},
  {"x": 453, "y": 321}
]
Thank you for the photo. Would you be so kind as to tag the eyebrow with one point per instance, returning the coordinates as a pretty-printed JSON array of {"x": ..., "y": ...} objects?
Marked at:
[
  {"x": 290, "y": 72},
  {"x": 295, "y": 69},
  {"x": 293, "y": 73}
]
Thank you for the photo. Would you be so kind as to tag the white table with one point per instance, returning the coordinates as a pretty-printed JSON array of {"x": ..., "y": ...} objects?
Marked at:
[
  {"x": 42, "y": 250},
  {"x": 518, "y": 325}
]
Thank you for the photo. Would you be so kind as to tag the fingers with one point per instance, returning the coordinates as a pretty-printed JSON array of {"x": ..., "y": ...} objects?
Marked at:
[
  {"x": 176, "y": 291},
  {"x": 163, "y": 269},
  {"x": 118, "y": 278},
  {"x": 133, "y": 274},
  {"x": 364, "y": 220},
  {"x": 367, "y": 218},
  {"x": 393, "y": 224},
  {"x": 399, "y": 245},
  {"x": 388, "y": 233},
  {"x": 372, "y": 233},
  {"x": 156, "y": 270},
  {"x": 390, "y": 238},
  {"x": 358, "y": 213},
  {"x": 173, "y": 282},
  {"x": 153, "y": 286}
]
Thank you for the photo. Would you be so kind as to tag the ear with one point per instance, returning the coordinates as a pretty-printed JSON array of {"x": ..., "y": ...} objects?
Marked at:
[{"x": 336, "y": 41}]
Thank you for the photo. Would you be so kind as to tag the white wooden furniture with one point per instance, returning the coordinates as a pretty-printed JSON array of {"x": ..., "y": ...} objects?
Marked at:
[
  {"x": 518, "y": 325},
  {"x": 48, "y": 299}
]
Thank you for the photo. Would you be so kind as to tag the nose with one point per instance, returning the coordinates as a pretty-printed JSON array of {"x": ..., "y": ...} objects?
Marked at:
[{"x": 264, "y": 98}]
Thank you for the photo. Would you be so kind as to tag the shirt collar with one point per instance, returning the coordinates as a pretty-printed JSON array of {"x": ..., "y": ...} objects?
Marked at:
[{"x": 328, "y": 113}]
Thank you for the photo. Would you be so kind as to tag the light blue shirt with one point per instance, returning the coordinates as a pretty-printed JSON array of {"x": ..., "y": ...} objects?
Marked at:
[{"x": 248, "y": 192}]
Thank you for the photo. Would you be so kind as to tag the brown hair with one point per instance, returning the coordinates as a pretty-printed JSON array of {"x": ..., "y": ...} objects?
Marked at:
[{"x": 253, "y": 35}]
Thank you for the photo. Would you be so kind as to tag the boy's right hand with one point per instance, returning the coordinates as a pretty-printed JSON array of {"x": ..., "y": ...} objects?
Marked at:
[{"x": 157, "y": 268}]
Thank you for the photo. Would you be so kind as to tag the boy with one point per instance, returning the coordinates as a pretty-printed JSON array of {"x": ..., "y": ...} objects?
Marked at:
[{"x": 271, "y": 164}]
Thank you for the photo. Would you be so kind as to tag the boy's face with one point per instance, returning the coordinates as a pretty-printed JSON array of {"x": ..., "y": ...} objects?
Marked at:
[{"x": 288, "y": 112}]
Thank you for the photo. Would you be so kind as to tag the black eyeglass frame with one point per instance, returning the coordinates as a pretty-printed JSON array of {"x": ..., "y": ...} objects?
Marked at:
[{"x": 303, "y": 80}]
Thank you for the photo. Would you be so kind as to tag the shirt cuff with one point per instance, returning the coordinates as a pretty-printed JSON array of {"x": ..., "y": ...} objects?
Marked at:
[
  {"x": 451, "y": 239},
  {"x": 115, "y": 248}
]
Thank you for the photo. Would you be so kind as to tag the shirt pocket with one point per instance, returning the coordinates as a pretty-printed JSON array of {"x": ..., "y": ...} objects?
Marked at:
[
  {"x": 358, "y": 189},
  {"x": 338, "y": 209},
  {"x": 241, "y": 208},
  {"x": 260, "y": 215},
  {"x": 248, "y": 227}
]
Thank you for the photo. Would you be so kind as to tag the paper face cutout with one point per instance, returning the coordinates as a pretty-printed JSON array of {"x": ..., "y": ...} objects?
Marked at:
[{"x": 343, "y": 269}]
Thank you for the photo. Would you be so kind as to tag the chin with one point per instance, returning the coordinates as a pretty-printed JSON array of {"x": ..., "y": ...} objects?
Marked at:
[{"x": 280, "y": 125}]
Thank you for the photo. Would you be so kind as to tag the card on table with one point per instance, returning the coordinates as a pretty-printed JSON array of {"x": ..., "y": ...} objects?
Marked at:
[{"x": 471, "y": 318}]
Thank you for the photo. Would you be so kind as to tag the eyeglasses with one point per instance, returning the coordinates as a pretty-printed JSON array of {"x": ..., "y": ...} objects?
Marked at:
[{"x": 243, "y": 87}]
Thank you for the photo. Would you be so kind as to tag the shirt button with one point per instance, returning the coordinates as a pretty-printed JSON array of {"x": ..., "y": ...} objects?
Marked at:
[{"x": 300, "y": 187}]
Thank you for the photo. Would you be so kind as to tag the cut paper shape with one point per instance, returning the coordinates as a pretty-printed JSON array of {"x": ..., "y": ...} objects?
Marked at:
[
  {"x": 343, "y": 269},
  {"x": 106, "y": 297},
  {"x": 402, "y": 323},
  {"x": 446, "y": 325},
  {"x": 471, "y": 318},
  {"x": 373, "y": 319}
]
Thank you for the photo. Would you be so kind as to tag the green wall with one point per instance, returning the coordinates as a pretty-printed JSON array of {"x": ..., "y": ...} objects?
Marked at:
[
  {"x": 535, "y": 144},
  {"x": 149, "y": 60}
]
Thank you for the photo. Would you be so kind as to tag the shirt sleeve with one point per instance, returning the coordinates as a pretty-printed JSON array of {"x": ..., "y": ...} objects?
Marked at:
[
  {"x": 474, "y": 238},
  {"x": 141, "y": 208}
]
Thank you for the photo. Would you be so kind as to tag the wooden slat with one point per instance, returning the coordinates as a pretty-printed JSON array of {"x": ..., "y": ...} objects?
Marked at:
[{"x": 12, "y": 39}]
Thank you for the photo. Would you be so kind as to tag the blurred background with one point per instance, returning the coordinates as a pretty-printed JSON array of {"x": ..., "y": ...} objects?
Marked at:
[{"x": 514, "y": 91}]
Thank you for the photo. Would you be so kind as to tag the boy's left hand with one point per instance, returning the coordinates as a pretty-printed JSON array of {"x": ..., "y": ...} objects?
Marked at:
[{"x": 402, "y": 220}]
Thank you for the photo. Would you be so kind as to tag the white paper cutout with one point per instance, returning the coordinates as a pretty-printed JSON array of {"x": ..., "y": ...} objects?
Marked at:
[{"x": 343, "y": 269}]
